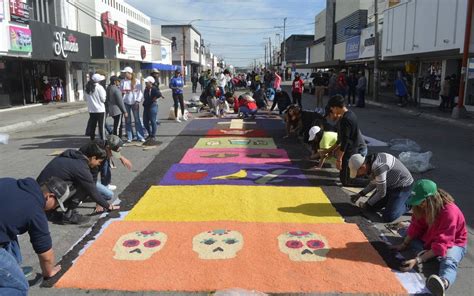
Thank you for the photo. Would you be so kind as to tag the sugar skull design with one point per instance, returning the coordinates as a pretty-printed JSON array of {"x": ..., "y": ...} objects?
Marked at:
[
  {"x": 218, "y": 244},
  {"x": 139, "y": 245},
  {"x": 303, "y": 246},
  {"x": 260, "y": 142}
]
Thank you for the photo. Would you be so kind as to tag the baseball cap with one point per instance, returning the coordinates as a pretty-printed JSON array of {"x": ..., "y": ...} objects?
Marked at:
[
  {"x": 115, "y": 144},
  {"x": 154, "y": 70},
  {"x": 97, "y": 77},
  {"x": 60, "y": 189},
  {"x": 355, "y": 162},
  {"x": 312, "y": 132},
  {"x": 127, "y": 70},
  {"x": 149, "y": 79},
  {"x": 422, "y": 189}
]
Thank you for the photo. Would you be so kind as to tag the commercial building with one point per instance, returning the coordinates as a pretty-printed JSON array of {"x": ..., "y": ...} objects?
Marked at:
[{"x": 40, "y": 60}]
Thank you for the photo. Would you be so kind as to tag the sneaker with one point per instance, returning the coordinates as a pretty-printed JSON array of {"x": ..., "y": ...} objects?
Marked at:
[
  {"x": 111, "y": 187},
  {"x": 185, "y": 118},
  {"x": 129, "y": 141},
  {"x": 75, "y": 218},
  {"x": 177, "y": 119},
  {"x": 142, "y": 140},
  {"x": 436, "y": 285}
]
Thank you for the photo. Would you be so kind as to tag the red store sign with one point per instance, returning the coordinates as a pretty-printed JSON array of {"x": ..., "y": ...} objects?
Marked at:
[{"x": 112, "y": 30}]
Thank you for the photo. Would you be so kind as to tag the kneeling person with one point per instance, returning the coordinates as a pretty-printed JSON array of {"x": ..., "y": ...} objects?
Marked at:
[{"x": 391, "y": 180}]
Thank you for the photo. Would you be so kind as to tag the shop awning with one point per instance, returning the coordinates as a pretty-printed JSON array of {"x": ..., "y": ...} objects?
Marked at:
[{"x": 159, "y": 66}]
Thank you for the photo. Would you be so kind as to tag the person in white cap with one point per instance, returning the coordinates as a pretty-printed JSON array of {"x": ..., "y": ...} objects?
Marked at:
[
  {"x": 95, "y": 96},
  {"x": 321, "y": 141},
  {"x": 391, "y": 180},
  {"x": 132, "y": 97}
]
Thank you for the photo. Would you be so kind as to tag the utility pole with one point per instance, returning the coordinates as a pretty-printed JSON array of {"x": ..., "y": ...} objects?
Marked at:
[
  {"x": 460, "y": 110},
  {"x": 265, "y": 57},
  {"x": 376, "y": 54},
  {"x": 184, "y": 56},
  {"x": 284, "y": 48},
  {"x": 270, "y": 50}
]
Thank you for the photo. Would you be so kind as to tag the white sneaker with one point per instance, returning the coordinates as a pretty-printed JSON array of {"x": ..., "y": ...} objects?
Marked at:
[
  {"x": 177, "y": 119},
  {"x": 185, "y": 118},
  {"x": 111, "y": 187}
]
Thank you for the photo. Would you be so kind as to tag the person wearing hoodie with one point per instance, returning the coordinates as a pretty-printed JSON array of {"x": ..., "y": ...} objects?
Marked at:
[
  {"x": 23, "y": 203},
  {"x": 114, "y": 102},
  {"x": 74, "y": 166}
]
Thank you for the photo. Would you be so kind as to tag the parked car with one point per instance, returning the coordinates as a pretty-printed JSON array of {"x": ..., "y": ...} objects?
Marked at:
[{"x": 308, "y": 83}]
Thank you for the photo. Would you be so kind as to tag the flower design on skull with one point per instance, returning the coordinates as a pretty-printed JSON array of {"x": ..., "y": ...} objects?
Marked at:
[
  {"x": 303, "y": 246},
  {"x": 139, "y": 245},
  {"x": 213, "y": 143},
  {"x": 218, "y": 244}
]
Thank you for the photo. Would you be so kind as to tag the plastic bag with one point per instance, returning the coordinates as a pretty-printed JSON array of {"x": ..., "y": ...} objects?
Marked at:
[
  {"x": 416, "y": 162},
  {"x": 238, "y": 292},
  {"x": 403, "y": 145},
  {"x": 4, "y": 138}
]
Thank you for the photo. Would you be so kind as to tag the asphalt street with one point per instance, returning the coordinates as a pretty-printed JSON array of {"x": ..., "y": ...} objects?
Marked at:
[{"x": 27, "y": 153}]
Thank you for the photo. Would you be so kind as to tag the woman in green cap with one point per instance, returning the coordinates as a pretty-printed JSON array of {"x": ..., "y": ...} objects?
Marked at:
[{"x": 437, "y": 229}]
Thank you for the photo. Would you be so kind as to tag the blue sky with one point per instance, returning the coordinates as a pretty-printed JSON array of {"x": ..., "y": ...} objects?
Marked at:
[{"x": 235, "y": 29}]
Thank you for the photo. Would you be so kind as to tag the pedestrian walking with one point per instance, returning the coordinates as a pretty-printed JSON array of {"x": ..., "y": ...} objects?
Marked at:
[
  {"x": 115, "y": 106},
  {"x": 276, "y": 80},
  {"x": 453, "y": 91},
  {"x": 350, "y": 140},
  {"x": 320, "y": 87},
  {"x": 150, "y": 107},
  {"x": 332, "y": 83},
  {"x": 437, "y": 231},
  {"x": 401, "y": 90},
  {"x": 201, "y": 80},
  {"x": 155, "y": 73},
  {"x": 132, "y": 97},
  {"x": 194, "y": 81},
  {"x": 95, "y": 96},
  {"x": 391, "y": 180},
  {"x": 341, "y": 83},
  {"x": 297, "y": 88},
  {"x": 177, "y": 84},
  {"x": 352, "y": 88},
  {"x": 23, "y": 204},
  {"x": 361, "y": 88}
]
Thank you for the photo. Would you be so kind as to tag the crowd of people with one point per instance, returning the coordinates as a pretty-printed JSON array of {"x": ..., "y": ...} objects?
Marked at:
[{"x": 437, "y": 228}]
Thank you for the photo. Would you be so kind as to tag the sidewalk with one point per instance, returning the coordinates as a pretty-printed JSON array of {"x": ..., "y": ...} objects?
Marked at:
[
  {"x": 15, "y": 119},
  {"x": 20, "y": 118}
]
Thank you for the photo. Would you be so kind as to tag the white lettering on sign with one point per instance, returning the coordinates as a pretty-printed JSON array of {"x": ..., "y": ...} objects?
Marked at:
[{"x": 63, "y": 44}]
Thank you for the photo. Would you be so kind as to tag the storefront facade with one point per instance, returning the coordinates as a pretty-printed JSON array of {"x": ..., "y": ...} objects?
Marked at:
[
  {"x": 128, "y": 28},
  {"x": 15, "y": 54},
  {"x": 60, "y": 59}
]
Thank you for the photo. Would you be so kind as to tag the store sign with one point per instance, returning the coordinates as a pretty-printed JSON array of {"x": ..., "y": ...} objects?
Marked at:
[
  {"x": 20, "y": 39},
  {"x": 352, "y": 48},
  {"x": 62, "y": 44},
  {"x": 56, "y": 43},
  {"x": 113, "y": 31},
  {"x": 164, "y": 53},
  {"x": 367, "y": 43},
  {"x": 19, "y": 11}
]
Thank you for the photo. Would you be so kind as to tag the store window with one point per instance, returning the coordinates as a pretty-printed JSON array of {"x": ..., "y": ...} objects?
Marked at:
[{"x": 430, "y": 80}]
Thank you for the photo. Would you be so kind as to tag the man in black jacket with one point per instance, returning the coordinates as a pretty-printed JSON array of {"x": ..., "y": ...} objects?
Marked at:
[{"x": 74, "y": 166}]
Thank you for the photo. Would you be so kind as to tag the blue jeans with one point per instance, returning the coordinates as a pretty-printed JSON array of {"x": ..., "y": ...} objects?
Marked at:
[
  {"x": 448, "y": 265},
  {"x": 105, "y": 172},
  {"x": 104, "y": 191},
  {"x": 393, "y": 205},
  {"x": 149, "y": 118},
  {"x": 12, "y": 279},
  {"x": 246, "y": 111},
  {"x": 135, "y": 109}
]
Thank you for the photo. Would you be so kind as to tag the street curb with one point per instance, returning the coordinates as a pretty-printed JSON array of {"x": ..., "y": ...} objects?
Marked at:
[
  {"x": 423, "y": 115},
  {"x": 25, "y": 124}
]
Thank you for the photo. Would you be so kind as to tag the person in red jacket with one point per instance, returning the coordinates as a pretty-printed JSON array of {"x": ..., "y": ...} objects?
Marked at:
[
  {"x": 437, "y": 229},
  {"x": 297, "y": 90},
  {"x": 247, "y": 106}
]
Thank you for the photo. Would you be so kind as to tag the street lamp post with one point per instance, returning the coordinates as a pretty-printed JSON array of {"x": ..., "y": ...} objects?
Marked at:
[{"x": 284, "y": 48}]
